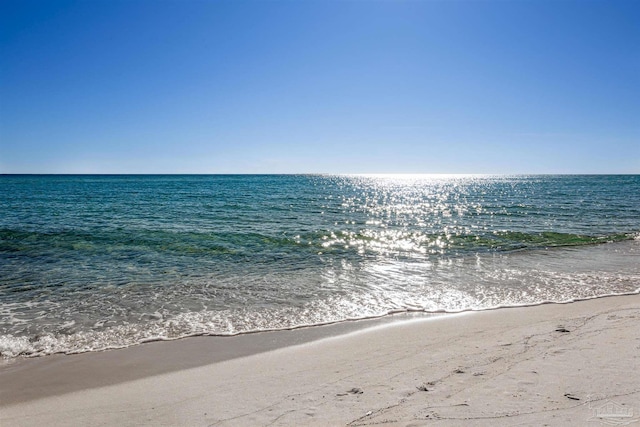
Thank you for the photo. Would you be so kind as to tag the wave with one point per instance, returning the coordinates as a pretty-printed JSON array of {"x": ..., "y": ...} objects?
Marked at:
[{"x": 124, "y": 336}]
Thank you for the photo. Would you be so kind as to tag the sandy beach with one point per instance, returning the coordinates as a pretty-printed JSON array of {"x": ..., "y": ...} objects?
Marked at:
[{"x": 554, "y": 364}]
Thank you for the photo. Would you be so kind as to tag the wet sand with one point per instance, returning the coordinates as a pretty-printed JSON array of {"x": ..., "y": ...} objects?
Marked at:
[{"x": 555, "y": 364}]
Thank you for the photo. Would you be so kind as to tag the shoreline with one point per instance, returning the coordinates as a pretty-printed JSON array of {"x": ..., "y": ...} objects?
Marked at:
[
  {"x": 121, "y": 364},
  {"x": 340, "y": 325},
  {"x": 548, "y": 362},
  {"x": 30, "y": 378}
]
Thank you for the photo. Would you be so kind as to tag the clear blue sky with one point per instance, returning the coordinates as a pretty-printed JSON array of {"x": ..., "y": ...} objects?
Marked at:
[{"x": 319, "y": 86}]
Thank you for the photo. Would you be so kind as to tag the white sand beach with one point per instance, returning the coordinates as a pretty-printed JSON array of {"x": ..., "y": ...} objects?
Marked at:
[{"x": 554, "y": 364}]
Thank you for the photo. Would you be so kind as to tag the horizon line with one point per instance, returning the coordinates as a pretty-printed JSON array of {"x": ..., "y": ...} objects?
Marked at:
[{"x": 378, "y": 174}]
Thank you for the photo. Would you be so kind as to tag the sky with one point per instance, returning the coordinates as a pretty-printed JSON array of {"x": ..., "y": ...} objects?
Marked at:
[{"x": 319, "y": 86}]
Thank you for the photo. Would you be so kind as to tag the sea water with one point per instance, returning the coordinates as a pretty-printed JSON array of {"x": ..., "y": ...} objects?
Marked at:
[{"x": 95, "y": 262}]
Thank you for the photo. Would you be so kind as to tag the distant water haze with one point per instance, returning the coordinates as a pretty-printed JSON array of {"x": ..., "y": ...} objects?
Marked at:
[{"x": 94, "y": 262}]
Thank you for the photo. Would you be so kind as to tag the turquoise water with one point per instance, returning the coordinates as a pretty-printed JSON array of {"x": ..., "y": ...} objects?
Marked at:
[{"x": 94, "y": 262}]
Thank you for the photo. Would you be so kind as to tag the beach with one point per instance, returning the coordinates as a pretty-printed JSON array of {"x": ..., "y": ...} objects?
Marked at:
[
  {"x": 319, "y": 213},
  {"x": 551, "y": 364}
]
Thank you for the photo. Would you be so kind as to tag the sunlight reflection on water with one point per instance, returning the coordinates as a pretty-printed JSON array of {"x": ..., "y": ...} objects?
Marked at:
[{"x": 92, "y": 262}]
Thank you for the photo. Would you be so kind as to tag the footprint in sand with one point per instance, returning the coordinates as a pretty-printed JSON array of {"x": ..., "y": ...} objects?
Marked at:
[{"x": 354, "y": 390}]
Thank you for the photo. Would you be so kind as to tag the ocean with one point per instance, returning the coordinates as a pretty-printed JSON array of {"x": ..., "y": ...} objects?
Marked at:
[{"x": 89, "y": 263}]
